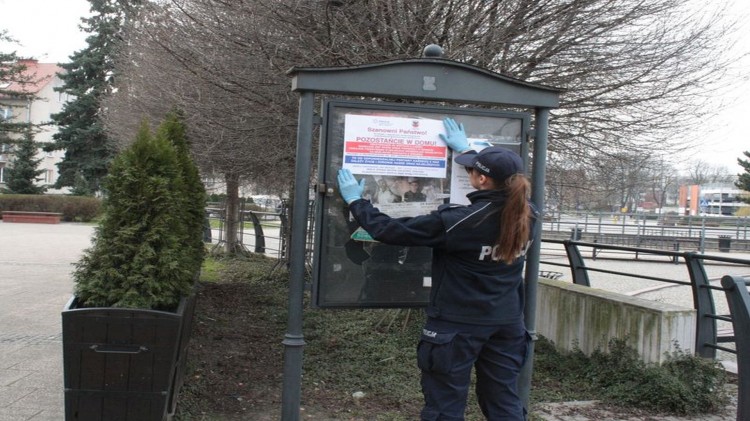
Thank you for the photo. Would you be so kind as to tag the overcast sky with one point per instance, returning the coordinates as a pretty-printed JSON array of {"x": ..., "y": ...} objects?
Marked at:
[{"x": 48, "y": 30}]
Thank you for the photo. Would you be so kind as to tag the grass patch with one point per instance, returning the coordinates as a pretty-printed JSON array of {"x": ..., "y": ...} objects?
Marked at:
[{"x": 212, "y": 269}]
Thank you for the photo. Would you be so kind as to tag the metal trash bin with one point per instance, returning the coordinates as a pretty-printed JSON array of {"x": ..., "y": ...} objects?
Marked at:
[
  {"x": 725, "y": 242},
  {"x": 575, "y": 234}
]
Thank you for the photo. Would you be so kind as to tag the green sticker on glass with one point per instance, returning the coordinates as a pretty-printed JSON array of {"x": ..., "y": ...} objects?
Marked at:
[{"x": 361, "y": 235}]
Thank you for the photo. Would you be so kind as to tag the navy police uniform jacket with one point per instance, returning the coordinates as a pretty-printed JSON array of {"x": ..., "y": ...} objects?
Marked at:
[{"x": 469, "y": 284}]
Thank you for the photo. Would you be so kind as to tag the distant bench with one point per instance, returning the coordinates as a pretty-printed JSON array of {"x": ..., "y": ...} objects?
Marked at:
[
  {"x": 667, "y": 243},
  {"x": 33, "y": 217}
]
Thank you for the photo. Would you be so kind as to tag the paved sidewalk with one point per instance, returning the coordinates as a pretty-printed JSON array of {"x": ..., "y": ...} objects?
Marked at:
[{"x": 35, "y": 285}]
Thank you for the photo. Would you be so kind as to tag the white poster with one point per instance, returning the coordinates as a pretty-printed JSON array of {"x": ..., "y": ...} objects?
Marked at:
[
  {"x": 394, "y": 146},
  {"x": 460, "y": 184}
]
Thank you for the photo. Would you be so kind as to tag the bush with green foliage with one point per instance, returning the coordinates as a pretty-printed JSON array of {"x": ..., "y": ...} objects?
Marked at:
[
  {"x": 72, "y": 208},
  {"x": 683, "y": 384},
  {"x": 144, "y": 251}
]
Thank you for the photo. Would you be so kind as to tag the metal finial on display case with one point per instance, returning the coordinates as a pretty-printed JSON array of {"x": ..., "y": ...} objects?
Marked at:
[{"x": 432, "y": 51}]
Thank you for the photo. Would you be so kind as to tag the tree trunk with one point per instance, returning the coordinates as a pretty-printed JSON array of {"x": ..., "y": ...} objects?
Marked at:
[{"x": 232, "y": 223}]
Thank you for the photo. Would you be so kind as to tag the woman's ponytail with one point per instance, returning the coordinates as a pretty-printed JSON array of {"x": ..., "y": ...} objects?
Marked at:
[{"x": 515, "y": 223}]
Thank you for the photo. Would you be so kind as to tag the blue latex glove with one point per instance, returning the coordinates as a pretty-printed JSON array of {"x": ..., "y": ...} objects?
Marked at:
[
  {"x": 349, "y": 188},
  {"x": 481, "y": 144},
  {"x": 456, "y": 136}
]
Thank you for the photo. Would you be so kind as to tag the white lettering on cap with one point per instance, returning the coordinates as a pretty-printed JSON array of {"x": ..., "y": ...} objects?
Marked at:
[{"x": 482, "y": 167}]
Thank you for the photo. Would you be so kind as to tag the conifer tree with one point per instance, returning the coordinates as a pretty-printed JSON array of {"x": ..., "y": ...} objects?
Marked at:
[
  {"x": 24, "y": 173},
  {"x": 89, "y": 77},
  {"x": 743, "y": 180},
  {"x": 139, "y": 257},
  {"x": 173, "y": 129}
]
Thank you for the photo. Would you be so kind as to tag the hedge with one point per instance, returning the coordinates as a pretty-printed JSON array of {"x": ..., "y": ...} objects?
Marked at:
[{"x": 72, "y": 208}]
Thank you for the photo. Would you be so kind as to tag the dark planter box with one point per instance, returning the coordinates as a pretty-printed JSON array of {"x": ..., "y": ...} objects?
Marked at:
[{"x": 124, "y": 364}]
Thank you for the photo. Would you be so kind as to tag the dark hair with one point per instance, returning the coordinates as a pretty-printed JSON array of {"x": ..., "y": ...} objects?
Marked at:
[{"x": 515, "y": 222}]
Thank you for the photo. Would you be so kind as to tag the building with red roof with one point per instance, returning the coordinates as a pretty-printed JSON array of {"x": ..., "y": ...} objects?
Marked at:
[{"x": 35, "y": 104}]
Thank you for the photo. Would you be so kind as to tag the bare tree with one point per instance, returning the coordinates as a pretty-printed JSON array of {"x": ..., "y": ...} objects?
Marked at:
[
  {"x": 568, "y": 186},
  {"x": 721, "y": 174},
  {"x": 698, "y": 172},
  {"x": 701, "y": 172},
  {"x": 662, "y": 180},
  {"x": 618, "y": 181},
  {"x": 635, "y": 73},
  {"x": 181, "y": 56}
]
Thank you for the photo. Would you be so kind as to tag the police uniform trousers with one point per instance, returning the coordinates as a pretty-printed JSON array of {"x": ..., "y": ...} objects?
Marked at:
[{"x": 447, "y": 352}]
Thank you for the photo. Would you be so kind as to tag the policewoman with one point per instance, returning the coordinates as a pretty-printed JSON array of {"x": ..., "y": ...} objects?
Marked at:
[{"x": 475, "y": 312}]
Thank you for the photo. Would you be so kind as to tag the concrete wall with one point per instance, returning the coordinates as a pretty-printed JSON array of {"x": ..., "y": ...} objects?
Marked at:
[{"x": 577, "y": 316}]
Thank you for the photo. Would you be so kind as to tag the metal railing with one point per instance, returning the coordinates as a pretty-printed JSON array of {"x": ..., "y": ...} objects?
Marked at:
[
  {"x": 699, "y": 233},
  {"x": 257, "y": 231},
  {"x": 671, "y": 232},
  {"x": 738, "y": 298},
  {"x": 260, "y": 231}
]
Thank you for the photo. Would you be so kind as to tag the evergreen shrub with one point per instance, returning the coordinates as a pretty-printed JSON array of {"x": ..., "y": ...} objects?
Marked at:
[
  {"x": 682, "y": 384},
  {"x": 174, "y": 130},
  {"x": 24, "y": 171},
  {"x": 147, "y": 249}
]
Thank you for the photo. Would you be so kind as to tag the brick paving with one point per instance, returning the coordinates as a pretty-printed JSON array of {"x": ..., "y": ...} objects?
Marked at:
[{"x": 35, "y": 285}]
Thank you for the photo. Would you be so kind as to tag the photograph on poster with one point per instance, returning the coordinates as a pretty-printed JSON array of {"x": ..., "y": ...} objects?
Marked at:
[
  {"x": 401, "y": 196},
  {"x": 407, "y": 171}
]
